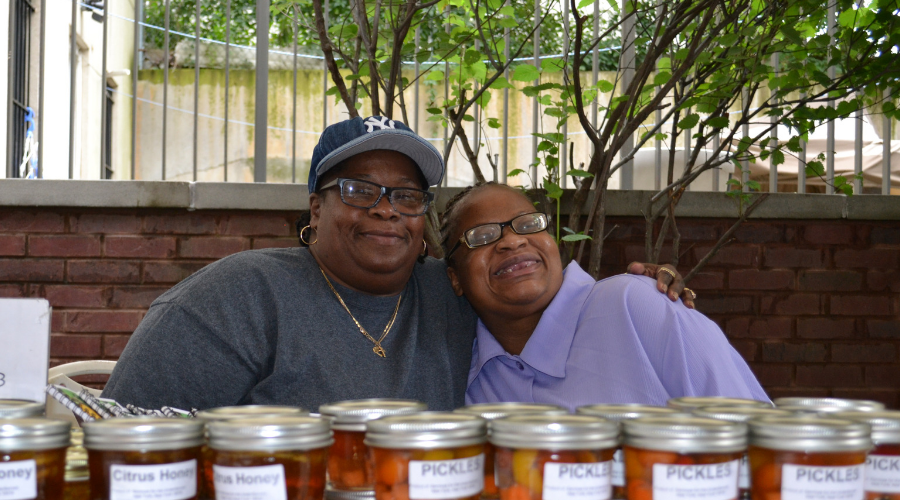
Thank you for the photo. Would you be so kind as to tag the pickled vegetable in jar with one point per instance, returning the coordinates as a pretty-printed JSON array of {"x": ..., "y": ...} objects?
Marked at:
[
  {"x": 277, "y": 458},
  {"x": 883, "y": 462},
  {"x": 827, "y": 405},
  {"x": 347, "y": 457},
  {"x": 33, "y": 457},
  {"x": 144, "y": 457},
  {"x": 427, "y": 456},
  {"x": 492, "y": 411},
  {"x": 20, "y": 408},
  {"x": 683, "y": 457},
  {"x": 691, "y": 403},
  {"x": 618, "y": 413},
  {"x": 554, "y": 457},
  {"x": 807, "y": 458}
]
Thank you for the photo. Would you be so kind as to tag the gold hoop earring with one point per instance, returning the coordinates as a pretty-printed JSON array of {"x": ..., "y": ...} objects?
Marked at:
[
  {"x": 424, "y": 249},
  {"x": 306, "y": 229}
]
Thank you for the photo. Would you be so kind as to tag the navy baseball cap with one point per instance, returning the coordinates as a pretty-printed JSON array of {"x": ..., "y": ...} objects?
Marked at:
[{"x": 352, "y": 137}]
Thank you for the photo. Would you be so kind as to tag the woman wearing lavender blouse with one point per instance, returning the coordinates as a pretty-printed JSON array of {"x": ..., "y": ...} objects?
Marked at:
[{"x": 552, "y": 335}]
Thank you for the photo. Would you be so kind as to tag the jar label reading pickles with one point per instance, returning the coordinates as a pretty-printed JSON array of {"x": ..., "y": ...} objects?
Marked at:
[
  {"x": 250, "y": 483},
  {"x": 812, "y": 482},
  {"x": 577, "y": 481},
  {"x": 446, "y": 479},
  {"x": 883, "y": 474},
  {"x": 696, "y": 482},
  {"x": 618, "y": 468},
  {"x": 176, "y": 481},
  {"x": 18, "y": 480}
]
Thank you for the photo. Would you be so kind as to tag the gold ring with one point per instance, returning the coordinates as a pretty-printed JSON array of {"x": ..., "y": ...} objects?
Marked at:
[
  {"x": 665, "y": 270},
  {"x": 693, "y": 294}
]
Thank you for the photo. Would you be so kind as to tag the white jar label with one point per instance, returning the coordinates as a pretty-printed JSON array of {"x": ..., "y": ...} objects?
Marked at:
[
  {"x": 265, "y": 482},
  {"x": 744, "y": 474},
  {"x": 590, "y": 481},
  {"x": 810, "y": 482},
  {"x": 696, "y": 482},
  {"x": 18, "y": 480},
  {"x": 446, "y": 479},
  {"x": 176, "y": 481},
  {"x": 618, "y": 469},
  {"x": 883, "y": 474}
]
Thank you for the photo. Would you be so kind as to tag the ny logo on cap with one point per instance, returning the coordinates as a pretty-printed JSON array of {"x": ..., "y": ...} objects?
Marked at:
[{"x": 372, "y": 122}]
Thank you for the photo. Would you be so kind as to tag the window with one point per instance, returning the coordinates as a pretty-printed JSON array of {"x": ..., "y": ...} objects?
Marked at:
[{"x": 20, "y": 51}]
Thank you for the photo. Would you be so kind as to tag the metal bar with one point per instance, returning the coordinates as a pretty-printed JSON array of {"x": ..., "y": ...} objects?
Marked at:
[
  {"x": 626, "y": 66},
  {"x": 745, "y": 132},
  {"x": 104, "y": 122},
  {"x": 687, "y": 150},
  {"x": 227, "y": 71},
  {"x": 595, "y": 66},
  {"x": 801, "y": 161},
  {"x": 829, "y": 139},
  {"x": 165, "y": 87},
  {"x": 40, "y": 124},
  {"x": 72, "y": 61},
  {"x": 446, "y": 111},
  {"x": 324, "y": 75},
  {"x": 773, "y": 120},
  {"x": 196, "y": 81},
  {"x": 476, "y": 124},
  {"x": 134, "y": 84},
  {"x": 564, "y": 150},
  {"x": 294, "y": 102},
  {"x": 261, "y": 117},
  {"x": 535, "y": 108},
  {"x": 505, "y": 166},
  {"x": 857, "y": 152},
  {"x": 416, "y": 84},
  {"x": 657, "y": 143},
  {"x": 10, "y": 120},
  {"x": 715, "y": 171},
  {"x": 886, "y": 150}
]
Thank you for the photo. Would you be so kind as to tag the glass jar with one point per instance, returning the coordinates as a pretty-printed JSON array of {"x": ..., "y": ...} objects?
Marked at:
[
  {"x": 691, "y": 403},
  {"x": 683, "y": 457},
  {"x": 77, "y": 485},
  {"x": 492, "y": 411},
  {"x": 33, "y": 457},
  {"x": 807, "y": 457},
  {"x": 558, "y": 457},
  {"x": 278, "y": 458},
  {"x": 144, "y": 457},
  {"x": 331, "y": 494},
  {"x": 618, "y": 413},
  {"x": 827, "y": 405},
  {"x": 347, "y": 457},
  {"x": 428, "y": 455},
  {"x": 20, "y": 408},
  {"x": 883, "y": 463}
]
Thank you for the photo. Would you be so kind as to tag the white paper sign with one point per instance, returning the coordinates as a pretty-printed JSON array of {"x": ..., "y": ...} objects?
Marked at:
[
  {"x": 744, "y": 475},
  {"x": 176, "y": 481},
  {"x": 25, "y": 356},
  {"x": 618, "y": 469},
  {"x": 589, "y": 481},
  {"x": 883, "y": 474},
  {"x": 250, "y": 483},
  {"x": 809, "y": 482},
  {"x": 446, "y": 479},
  {"x": 18, "y": 480},
  {"x": 696, "y": 482}
]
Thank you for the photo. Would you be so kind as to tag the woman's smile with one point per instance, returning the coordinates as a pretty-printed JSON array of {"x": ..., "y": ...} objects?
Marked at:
[{"x": 518, "y": 265}]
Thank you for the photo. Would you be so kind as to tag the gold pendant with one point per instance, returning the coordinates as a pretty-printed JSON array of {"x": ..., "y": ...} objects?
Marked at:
[{"x": 379, "y": 351}]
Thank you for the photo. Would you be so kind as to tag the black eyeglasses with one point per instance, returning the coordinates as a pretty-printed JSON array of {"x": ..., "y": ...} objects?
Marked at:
[
  {"x": 486, "y": 234},
  {"x": 365, "y": 194}
]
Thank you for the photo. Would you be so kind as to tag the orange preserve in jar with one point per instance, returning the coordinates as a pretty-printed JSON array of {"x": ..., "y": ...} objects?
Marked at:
[
  {"x": 143, "y": 457},
  {"x": 554, "y": 457},
  {"x": 493, "y": 411},
  {"x": 826, "y": 405},
  {"x": 683, "y": 457},
  {"x": 278, "y": 458},
  {"x": 33, "y": 458},
  {"x": 807, "y": 458},
  {"x": 691, "y": 403},
  {"x": 883, "y": 462},
  {"x": 427, "y": 456},
  {"x": 347, "y": 457},
  {"x": 20, "y": 408}
]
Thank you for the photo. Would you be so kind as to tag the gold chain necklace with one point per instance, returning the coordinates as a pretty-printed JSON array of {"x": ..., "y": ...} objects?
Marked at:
[{"x": 377, "y": 349}]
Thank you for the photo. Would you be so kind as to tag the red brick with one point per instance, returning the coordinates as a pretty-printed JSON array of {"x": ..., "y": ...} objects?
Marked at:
[
  {"x": 70, "y": 245},
  {"x": 135, "y": 297},
  {"x": 879, "y": 258},
  {"x": 257, "y": 225},
  {"x": 828, "y": 234},
  {"x": 12, "y": 291},
  {"x": 759, "y": 233},
  {"x": 754, "y": 279},
  {"x": 890, "y": 397},
  {"x": 212, "y": 247},
  {"x": 698, "y": 232},
  {"x": 106, "y": 224},
  {"x": 75, "y": 346},
  {"x": 882, "y": 375},
  {"x": 113, "y": 345},
  {"x": 104, "y": 271},
  {"x": 58, "y": 321},
  {"x": 636, "y": 253},
  {"x": 830, "y": 281},
  {"x": 783, "y": 352},
  {"x": 31, "y": 222},
  {"x": 825, "y": 328},
  {"x": 746, "y": 348},
  {"x": 625, "y": 232},
  {"x": 794, "y": 257},
  {"x": 829, "y": 376},
  {"x": 864, "y": 353},
  {"x": 708, "y": 281},
  {"x": 884, "y": 329},
  {"x": 170, "y": 272},
  {"x": 760, "y": 328},
  {"x": 768, "y": 374},
  {"x": 76, "y": 296},
  {"x": 885, "y": 235},
  {"x": 139, "y": 246},
  {"x": 192, "y": 223},
  {"x": 103, "y": 321},
  {"x": 877, "y": 280},
  {"x": 793, "y": 305},
  {"x": 31, "y": 269},
  {"x": 737, "y": 255},
  {"x": 860, "y": 305},
  {"x": 291, "y": 243},
  {"x": 12, "y": 245},
  {"x": 724, "y": 304}
]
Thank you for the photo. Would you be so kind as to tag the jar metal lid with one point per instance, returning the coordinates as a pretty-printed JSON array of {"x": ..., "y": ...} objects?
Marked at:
[
  {"x": 76, "y": 464},
  {"x": 828, "y": 404},
  {"x": 691, "y": 403},
  {"x": 331, "y": 494},
  {"x": 685, "y": 434},
  {"x": 491, "y": 411},
  {"x": 809, "y": 434},
  {"x": 426, "y": 430},
  {"x": 249, "y": 411},
  {"x": 353, "y": 415},
  {"x": 885, "y": 424},
  {"x": 270, "y": 433},
  {"x": 619, "y": 412},
  {"x": 555, "y": 432},
  {"x": 143, "y": 434},
  {"x": 740, "y": 413},
  {"x": 20, "y": 408},
  {"x": 36, "y": 433}
]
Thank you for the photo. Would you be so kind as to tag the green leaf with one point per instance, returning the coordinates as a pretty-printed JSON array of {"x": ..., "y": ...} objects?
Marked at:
[
  {"x": 502, "y": 83},
  {"x": 526, "y": 73},
  {"x": 468, "y": 118},
  {"x": 508, "y": 22},
  {"x": 333, "y": 91},
  {"x": 484, "y": 99},
  {"x": 515, "y": 172},
  {"x": 777, "y": 157},
  {"x": 661, "y": 78},
  {"x": 579, "y": 173},
  {"x": 554, "y": 192},
  {"x": 435, "y": 75},
  {"x": 555, "y": 112},
  {"x": 508, "y": 10},
  {"x": 472, "y": 56},
  {"x": 552, "y": 65},
  {"x": 689, "y": 121},
  {"x": 848, "y": 18},
  {"x": 718, "y": 122},
  {"x": 575, "y": 237},
  {"x": 358, "y": 105},
  {"x": 435, "y": 111},
  {"x": 605, "y": 86},
  {"x": 664, "y": 64},
  {"x": 815, "y": 169},
  {"x": 553, "y": 137},
  {"x": 494, "y": 123},
  {"x": 584, "y": 3}
]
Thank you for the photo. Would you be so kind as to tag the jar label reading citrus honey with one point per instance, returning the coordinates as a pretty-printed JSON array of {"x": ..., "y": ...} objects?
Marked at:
[
  {"x": 18, "y": 480},
  {"x": 696, "y": 482},
  {"x": 175, "y": 481},
  {"x": 250, "y": 483},
  {"x": 446, "y": 479},
  {"x": 811, "y": 482},
  {"x": 883, "y": 474},
  {"x": 744, "y": 474},
  {"x": 577, "y": 481},
  {"x": 618, "y": 468}
]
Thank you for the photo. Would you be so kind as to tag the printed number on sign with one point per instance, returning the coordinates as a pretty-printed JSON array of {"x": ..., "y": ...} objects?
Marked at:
[{"x": 2, "y": 379}]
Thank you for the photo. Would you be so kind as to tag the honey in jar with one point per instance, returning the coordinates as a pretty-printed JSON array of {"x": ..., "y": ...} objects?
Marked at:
[
  {"x": 683, "y": 457},
  {"x": 554, "y": 457},
  {"x": 826, "y": 405},
  {"x": 347, "y": 458},
  {"x": 272, "y": 458},
  {"x": 492, "y": 411},
  {"x": 807, "y": 458},
  {"x": 427, "y": 456},
  {"x": 20, "y": 408},
  {"x": 883, "y": 462},
  {"x": 691, "y": 403},
  {"x": 33, "y": 458},
  {"x": 618, "y": 413},
  {"x": 144, "y": 457}
]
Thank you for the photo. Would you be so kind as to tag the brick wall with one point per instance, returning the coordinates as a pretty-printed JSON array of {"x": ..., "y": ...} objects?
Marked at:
[{"x": 814, "y": 306}]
